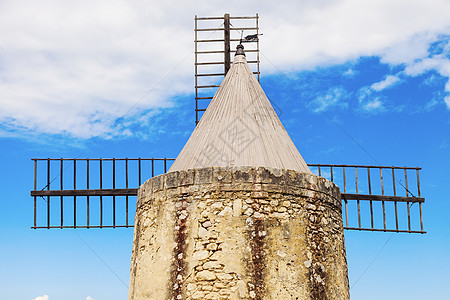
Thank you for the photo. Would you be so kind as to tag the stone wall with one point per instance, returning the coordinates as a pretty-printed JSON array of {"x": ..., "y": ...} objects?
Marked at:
[{"x": 238, "y": 233}]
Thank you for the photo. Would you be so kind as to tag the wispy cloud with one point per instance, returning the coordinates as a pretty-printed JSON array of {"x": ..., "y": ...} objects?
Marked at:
[
  {"x": 333, "y": 98},
  {"x": 349, "y": 73},
  {"x": 368, "y": 102},
  {"x": 437, "y": 59},
  {"x": 389, "y": 81},
  {"x": 45, "y": 297},
  {"x": 89, "y": 298},
  {"x": 373, "y": 105},
  {"x": 447, "y": 101},
  {"x": 368, "y": 98}
]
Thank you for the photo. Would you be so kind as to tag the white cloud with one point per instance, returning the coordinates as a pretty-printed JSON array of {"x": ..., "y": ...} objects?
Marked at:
[
  {"x": 349, "y": 73},
  {"x": 387, "y": 82},
  {"x": 332, "y": 98},
  {"x": 373, "y": 105},
  {"x": 73, "y": 68},
  {"x": 447, "y": 101},
  {"x": 440, "y": 63},
  {"x": 45, "y": 297},
  {"x": 368, "y": 102},
  {"x": 89, "y": 298}
]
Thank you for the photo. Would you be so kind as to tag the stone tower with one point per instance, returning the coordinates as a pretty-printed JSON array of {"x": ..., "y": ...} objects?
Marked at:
[{"x": 239, "y": 215}]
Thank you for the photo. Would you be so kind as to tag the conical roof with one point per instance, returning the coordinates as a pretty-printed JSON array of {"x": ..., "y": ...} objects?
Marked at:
[{"x": 240, "y": 128}]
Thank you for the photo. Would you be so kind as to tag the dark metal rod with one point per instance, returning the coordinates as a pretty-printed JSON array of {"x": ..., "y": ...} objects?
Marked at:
[
  {"x": 381, "y": 180},
  {"x": 101, "y": 187},
  {"x": 35, "y": 186},
  {"x": 320, "y": 173},
  {"x": 114, "y": 174},
  {"x": 221, "y": 18},
  {"x": 311, "y": 165},
  {"x": 90, "y": 192},
  {"x": 48, "y": 197},
  {"x": 382, "y": 203},
  {"x": 257, "y": 44},
  {"x": 225, "y": 28},
  {"x": 226, "y": 37},
  {"x": 393, "y": 181},
  {"x": 61, "y": 200},
  {"x": 74, "y": 197},
  {"x": 87, "y": 173},
  {"x": 74, "y": 210},
  {"x": 364, "y": 166},
  {"x": 406, "y": 183},
  {"x": 153, "y": 168},
  {"x": 35, "y": 200},
  {"x": 87, "y": 197},
  {"x": 207, "y": 86},
  {"x": 126, "y": 173},
  {"x": 114, "y": 197},
  {"x": 203, "y": 98},
  {"x": 359, "y": 213},
  {"x": 139, "y": 170},
  {"x": 383, "y": 230},
  {"x": 74, "y": 174},
  {"x": 110, "y": 159},
  {"x": 210, "y": 63},
  {"x": 165, "y": 166},
  {"x": 217, "y": 40},
  {"x": 421, "y": 218},
  {"x": 196, "y": 72},
  {"x": 356, "y": 180},
  {"x": 396, "y": 214},
  {"x": 409, "y": 215},
  {"x": 418, "y": 184},
  {"x": 72, "y": 226},
  {"x": 407, "y": 203},
  {"x": 365, "y": 197},
  {"x": 211, "y": 74},
  {"x": 222, "y": 63},
  {"x": 370, "y": 193},
  {"x": 371, "y": 213},
  {"x": 221, "y": 51},
  {"x": 126, "y": 197}
]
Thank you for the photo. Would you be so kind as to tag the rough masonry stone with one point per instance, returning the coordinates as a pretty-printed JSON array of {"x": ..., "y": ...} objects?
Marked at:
[{"x": 238, "y": 233}]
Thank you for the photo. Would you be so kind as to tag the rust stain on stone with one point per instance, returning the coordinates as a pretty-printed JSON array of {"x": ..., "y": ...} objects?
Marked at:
[
  {"x": 179, "y": 263},
  {"x": 257, "y": 288}
]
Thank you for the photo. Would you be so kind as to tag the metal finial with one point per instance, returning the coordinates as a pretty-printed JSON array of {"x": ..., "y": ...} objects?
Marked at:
[{"x": 240, "y": 50}]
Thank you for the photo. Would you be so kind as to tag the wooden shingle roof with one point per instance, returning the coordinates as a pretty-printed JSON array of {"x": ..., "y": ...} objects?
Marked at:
[{"x": 240, "y": 128}]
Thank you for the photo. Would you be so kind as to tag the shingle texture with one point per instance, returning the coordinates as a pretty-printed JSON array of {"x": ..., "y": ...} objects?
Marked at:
[{"x": 240, "y": 128}]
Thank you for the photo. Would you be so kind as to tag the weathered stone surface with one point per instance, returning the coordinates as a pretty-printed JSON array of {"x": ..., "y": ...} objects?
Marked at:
[{"x": 238, "y": 233}]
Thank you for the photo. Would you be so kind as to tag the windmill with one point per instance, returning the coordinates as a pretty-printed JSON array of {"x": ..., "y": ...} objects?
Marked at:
[{"x": 101, "y": 193}]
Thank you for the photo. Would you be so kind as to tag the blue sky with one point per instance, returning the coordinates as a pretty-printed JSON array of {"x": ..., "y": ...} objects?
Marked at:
[{"x": 115, "y": 79}]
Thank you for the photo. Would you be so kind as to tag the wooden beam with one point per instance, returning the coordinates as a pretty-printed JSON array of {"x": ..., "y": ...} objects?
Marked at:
[
  {"x": 381, "y": 198},
  {"x": 384, "y": 230},
  {"x": 226, "y": 37},
  {"x": 98, "y": 192}
]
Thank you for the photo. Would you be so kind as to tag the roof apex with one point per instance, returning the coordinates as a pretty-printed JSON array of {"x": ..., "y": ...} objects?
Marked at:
[{"x": 240, "y": 128}]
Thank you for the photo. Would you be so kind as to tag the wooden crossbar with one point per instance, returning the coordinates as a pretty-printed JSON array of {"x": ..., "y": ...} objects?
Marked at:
[{"x": 91, "y": 188}]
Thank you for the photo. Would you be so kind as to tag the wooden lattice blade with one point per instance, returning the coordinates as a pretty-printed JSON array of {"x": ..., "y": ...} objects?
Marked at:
[{"x": 105, "y": 193}]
